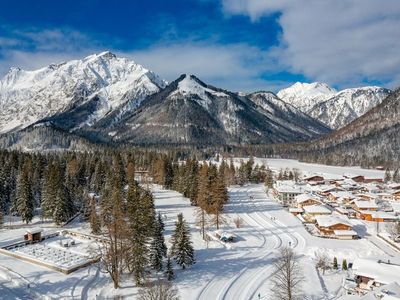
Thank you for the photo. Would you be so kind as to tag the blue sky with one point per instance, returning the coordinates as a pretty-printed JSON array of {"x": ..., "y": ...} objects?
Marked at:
[{"x": 235, "y": 44}]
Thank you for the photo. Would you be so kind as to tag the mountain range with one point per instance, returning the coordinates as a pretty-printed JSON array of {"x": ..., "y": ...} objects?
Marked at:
[
  {"x": 105, "y": 98},
  {"x": 334, "y": 108}
]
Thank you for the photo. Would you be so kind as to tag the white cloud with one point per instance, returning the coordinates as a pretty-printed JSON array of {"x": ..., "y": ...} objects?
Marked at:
[
  {"x": 235, "y": 67},
  {"x": 32, "y": 48},
  {"x": 340, "y": 42}
]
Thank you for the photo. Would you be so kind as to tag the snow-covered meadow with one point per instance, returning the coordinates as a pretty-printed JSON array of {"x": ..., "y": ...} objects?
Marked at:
[{"x": 239, "y": 270}]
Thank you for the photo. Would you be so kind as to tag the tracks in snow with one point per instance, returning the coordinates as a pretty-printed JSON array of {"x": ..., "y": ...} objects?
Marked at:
[{"x": 258, "y": 266}]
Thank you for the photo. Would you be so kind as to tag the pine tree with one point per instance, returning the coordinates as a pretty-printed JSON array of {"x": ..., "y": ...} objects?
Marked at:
[
  {"x": 344, "y": 265},
  {"x": 169, "y": 271},
  {"x": 63, "y": 206},
  {"x": 24, "y": 195},
  {"x": 138, "y": 232},
  {"x": 95, "y": 223},
  {"x": 160, "y": 222},
  {"x": 335, "y": 264},
  {"x": 49, "y": 189},
  {"x": 269, "y": 179},
  {"x": 182, "y": 250},
  {"x": 158, "y": 249}
]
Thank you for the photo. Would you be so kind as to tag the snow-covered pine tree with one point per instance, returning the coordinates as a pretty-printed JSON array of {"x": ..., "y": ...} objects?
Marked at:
[
  {"x": 24, "y": 201},
  {"x": 63, "y": 205},
  {"x": 169, "y": 271},
  {"x": 158, "y": 249},
  {"x": 160, "y": 221},
  {"x": 182, "y": 250}
]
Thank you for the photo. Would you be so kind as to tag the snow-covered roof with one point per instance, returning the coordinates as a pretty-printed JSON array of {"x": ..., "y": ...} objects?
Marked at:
[
  {"x": 328, "y": 221},
  {"x": 365, "y": 204},
  {"x": 316, "y": 209},
  {"x": 304, "y": 197},
  {"x": 295, "y": 210},
  {"x": 34, "y": 230},
  {"x": 380, "y": 271},
  {"x": 383, "y": 215}
]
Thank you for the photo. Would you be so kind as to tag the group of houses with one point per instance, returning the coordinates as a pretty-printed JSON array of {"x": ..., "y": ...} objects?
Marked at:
[{"x": 329, "y": 201}]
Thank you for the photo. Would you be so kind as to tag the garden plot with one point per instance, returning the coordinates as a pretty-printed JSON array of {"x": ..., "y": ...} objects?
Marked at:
[{"x": 53, "y": 254}]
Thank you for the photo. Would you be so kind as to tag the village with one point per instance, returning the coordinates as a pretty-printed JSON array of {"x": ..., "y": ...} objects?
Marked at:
[{"x": 339, "y": 226}]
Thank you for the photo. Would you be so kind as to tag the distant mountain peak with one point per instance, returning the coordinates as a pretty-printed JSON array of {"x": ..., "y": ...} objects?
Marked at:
[
  {"x": 102, "y": 81},
  {"x": 305, "y": 95}
]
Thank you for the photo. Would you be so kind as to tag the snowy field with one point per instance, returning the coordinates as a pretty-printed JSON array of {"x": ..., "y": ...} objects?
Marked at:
[
  {"x": 277, "y": 163},
  {"x": 240, "y": 270}
]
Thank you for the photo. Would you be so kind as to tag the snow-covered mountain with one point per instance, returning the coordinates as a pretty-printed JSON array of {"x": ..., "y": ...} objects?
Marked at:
[
  {"x": 347, "y": 105},
  {"x": 91, "y": 88},
  {"x": 335, "y": 109},
  {"x": 305, "y": 95},
  {"x": 188, "y": 111}
]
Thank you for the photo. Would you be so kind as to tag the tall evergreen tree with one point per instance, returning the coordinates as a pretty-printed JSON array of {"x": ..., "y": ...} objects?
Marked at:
[
  {"x": 182, "y": 250},
  {"x": 24, "y": 195},
  {"x": 158, "y": 249},
  {"x": 169, "y": 271}
]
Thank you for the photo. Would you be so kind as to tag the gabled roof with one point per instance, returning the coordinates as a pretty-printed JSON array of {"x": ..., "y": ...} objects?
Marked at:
[
  {"x": 304, "y": 197},
  {"x": 328, "y": 221},
  {"x": 381, "y": 272},
  {"x": 363, "y": 204},
  {"x": 316, "y": 209}
]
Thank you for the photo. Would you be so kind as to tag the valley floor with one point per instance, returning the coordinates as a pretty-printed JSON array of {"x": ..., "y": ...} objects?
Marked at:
[{"x": 239, "y": 270}]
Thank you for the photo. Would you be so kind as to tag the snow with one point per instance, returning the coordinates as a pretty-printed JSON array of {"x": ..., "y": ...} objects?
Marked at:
[
  {"x": 380, "y": 271},
  {"x": 305, "y": 95},
  {"x": 328, "y": 221},
  {"x": 28, "y": 96},
  {"x": 334, "y": 108},
  {"x": 238, "y": 270},
  {"x": 316, "y": 209},
  {"x": 276, "y": 164},
  {"x": 190, "y": 85}
]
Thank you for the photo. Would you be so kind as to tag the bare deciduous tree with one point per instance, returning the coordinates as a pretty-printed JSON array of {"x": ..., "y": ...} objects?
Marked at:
[
  {"x": 393, "y": 229},
  {"x": 322, "y": 262},
  {"x": 158, "y": 290},
  {"x": 288, "y": 277}
]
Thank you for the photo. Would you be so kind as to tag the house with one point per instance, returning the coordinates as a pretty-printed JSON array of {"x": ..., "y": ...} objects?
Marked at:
[
  {"x": 372, "y": 179},
  {"x": 396, "y": 195},
  {"x": 356, "y": 178},
  {"x": 364, "y": 209},
  {"x": 332, "y": 225},
  {"x": 371, "y": 274},
  {"x": 314, "y": 178},
  {"x": 340, "y": 197},
  {"x": 311, "y": 211},
  {"x": 286, "y": 191},
  {"x": 305, "y": 200},
  {"x": 380, "y": 216},
  {"x": 33, "y": 235}
]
